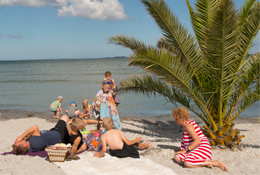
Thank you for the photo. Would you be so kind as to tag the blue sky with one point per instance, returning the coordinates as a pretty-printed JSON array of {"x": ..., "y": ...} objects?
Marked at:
[{"x": 54, "y": 29}]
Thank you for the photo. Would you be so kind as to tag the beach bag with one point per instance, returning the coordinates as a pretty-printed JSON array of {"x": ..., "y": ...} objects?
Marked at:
[{"x": 94, "y": 140}]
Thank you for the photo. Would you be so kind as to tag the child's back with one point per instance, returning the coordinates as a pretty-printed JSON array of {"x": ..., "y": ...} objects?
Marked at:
[{"x": 113, "y": 138}]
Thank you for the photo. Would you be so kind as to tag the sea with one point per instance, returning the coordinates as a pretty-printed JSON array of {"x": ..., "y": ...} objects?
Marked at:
[{"x": 32, "y": 85}]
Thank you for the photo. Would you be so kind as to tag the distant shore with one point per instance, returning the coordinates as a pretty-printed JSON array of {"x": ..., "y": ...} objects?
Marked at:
[{"x": 55, "y": 59}]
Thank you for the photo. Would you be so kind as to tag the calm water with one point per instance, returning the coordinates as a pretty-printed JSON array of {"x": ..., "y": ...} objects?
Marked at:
[{"x": 33, "y": 85}]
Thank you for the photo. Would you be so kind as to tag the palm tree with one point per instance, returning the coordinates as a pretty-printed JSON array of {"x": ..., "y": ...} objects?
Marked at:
[{"x": 210, "y": 72}]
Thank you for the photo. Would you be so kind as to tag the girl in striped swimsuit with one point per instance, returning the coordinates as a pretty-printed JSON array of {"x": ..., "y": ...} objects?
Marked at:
[{"x": 195, "y": 148}]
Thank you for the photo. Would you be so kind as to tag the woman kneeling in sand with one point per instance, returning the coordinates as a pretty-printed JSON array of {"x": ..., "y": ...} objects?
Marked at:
[{"x": 195, "y": 148}]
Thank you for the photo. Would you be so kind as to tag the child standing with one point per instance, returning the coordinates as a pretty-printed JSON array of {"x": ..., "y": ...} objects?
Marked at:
[
  {"x": 86, "y": 109},
  {"x": 113, "y": 87},
  {"x": 119, "y": 145},
  {"x": 105, "y": 104},
  {"x": 56, "y": 107},
  {"x": 73, "y": 110}
]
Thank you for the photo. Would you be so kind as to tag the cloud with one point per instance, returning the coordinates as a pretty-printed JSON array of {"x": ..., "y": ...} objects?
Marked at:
[
  {"x": 19, "y": 36},
  {"x": 86, "y": 9},
  {"x": 33, "y": 3},
  {"x": 94, "y": 9}
]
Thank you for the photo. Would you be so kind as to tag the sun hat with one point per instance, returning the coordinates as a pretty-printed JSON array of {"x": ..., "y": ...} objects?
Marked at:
[
  {"x": 73, "y": 102},
  {"x": 60, "y": 97}
]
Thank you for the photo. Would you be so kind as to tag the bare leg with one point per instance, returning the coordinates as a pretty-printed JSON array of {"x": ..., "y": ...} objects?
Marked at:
[
  {"x": 77, "y": 113},
  {"x": 64, "y": 118},
  {"x": 143, "y": 145},
  {"x": 98, "y": 125},
  {"x": 178, "y": 160},
  {"x": 217, "y": 163},
  {"x": 54, "y": 114},
  {"x": 58, "y": 113}
]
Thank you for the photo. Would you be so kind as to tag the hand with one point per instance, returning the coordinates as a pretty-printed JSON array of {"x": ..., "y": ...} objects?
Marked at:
[
  {"x": 138, "y": 139},
  {"x": 18, "y": 139},
  {"x": 180, "y": 152},
  {"x": 96, "y": 154}
]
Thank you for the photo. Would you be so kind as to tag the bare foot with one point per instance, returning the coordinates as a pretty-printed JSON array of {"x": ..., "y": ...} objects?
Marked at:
[
  {"x": 222, "y": 166},
  {"x": 54, "y": 116},
  {"x": 58, "y": 117},
  {"x": 149, "y": 143},
  {"x": 210, "y": 166},
  {"x": 144, "y": 142}
]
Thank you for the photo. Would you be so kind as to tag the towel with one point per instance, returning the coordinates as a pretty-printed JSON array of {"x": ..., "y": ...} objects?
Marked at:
[{"x": 108, "y": 165}]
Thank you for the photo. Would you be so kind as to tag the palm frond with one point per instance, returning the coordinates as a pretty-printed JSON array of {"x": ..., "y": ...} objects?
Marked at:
[
  {"x": 176, "y": 34},
  {"x": 222, "y": 52},
  {"x": 249, "y": 29},
  {"x": 127, "y": 42},
  {"x": 247, "y": 86},
  {"x": 201, "y": 17},
  {"x": 150, "y": 85},
  {"x": 245, "y": 9}
]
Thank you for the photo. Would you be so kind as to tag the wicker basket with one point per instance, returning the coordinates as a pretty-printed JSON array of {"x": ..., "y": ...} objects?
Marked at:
[{"x": 57, "y": 155}]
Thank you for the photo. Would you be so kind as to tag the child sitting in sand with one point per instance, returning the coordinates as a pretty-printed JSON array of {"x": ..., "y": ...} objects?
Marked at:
[
  {"x": 119, "y": 145},
  {"x": 56, "y": 107},
  {"x": 73, "y": 110},
  {"x": 75, "y": 137},
  {"x": 105, "y": 106},
  {"x": 113, "y": 87},
  {"x": 86, "y": 109}
]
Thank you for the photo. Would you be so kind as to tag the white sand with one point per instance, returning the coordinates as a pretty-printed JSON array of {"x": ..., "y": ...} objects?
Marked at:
[{"x": 165, "y": 140}]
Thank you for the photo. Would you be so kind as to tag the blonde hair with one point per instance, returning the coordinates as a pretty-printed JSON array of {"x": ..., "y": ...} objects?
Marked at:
[
  {"x": 180, "y": 113},
  {"x": 108, "y": 123},
  {"x": 76, "y": 122},
  {"x": 85, "y": 105}
]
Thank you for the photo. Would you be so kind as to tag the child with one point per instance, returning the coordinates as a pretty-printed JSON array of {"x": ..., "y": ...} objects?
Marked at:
[
  {"x": 104, "y": 105},
  {"x": 56, "y": 107},
  {"x": 72, "y": 111},
  {"x": 113, "y": 87},
  {"x": 119, "y": 145},
  {"x": 86, "y": 109},
  {"x": 75, "y": 137}
]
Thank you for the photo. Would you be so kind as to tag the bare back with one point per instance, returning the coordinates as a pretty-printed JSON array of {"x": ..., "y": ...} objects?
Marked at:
[{"x": 113, "y": 138}]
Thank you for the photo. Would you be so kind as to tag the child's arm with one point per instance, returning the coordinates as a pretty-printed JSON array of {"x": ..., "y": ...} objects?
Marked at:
[
  {"x": 67, "y": 111},
  {"x": 50, "y": 105},
  {"x": 129, "y": 142},
  {"x": 75, "y": 145},
  {"x": 34, "y": 130},
  {"x": 104, "y": 148},
  {"x": 92, "y": 122},
  {"x": 61, "y": 110},
  {"x": 89, "y": 110}
]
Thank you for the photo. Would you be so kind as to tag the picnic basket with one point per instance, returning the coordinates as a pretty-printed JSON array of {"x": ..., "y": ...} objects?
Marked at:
[{"x": 57, "y": 155}]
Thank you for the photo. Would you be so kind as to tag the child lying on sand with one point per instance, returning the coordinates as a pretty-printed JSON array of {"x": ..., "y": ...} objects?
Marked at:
[{"x": 119, "y": 145}]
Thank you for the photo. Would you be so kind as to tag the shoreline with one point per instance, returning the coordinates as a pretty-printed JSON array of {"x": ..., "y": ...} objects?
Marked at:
[{"x": 16, "y": 114}]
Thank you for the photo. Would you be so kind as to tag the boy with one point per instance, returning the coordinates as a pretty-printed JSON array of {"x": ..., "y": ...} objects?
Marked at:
[
  {"x": 72, "y": 111},
  {"x": 119, "y": 145},
  {"x": 56, "y": 107},
  {"x": 113, "y": 87}
]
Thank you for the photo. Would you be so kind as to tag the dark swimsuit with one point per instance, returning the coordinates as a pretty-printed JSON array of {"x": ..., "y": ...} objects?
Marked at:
[
  {"x": 73, "y": 137},
  {"x": 126, "y": 151}
]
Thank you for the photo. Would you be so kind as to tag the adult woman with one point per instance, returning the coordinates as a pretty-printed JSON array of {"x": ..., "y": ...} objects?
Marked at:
[
  {"x": 195, "y": 148},
  {"x": 75, "y": 137}
]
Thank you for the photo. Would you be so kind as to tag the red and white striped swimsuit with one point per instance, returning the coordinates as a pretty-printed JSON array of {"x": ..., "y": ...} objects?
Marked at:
[{"x": 201, "y": 153}]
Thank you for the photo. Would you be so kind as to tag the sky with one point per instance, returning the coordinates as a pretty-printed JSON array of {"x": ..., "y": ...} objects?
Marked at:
[{"x": 62, "y": 29}]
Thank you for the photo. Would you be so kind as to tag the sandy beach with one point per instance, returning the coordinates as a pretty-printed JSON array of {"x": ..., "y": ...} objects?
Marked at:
[{"x": 162, "y": 131}]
